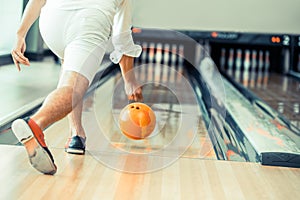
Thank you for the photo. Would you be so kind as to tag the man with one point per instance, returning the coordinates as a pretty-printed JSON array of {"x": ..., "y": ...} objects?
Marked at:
[{"x": 77, "y": 31}]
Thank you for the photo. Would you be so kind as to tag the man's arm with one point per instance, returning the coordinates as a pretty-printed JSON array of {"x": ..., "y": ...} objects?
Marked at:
[
  {"x": 31, "y": 13},
  {"x": 126, "y": 65},
  {"x": 132, "y": 89},
  {"x": 125, "y": 50}
]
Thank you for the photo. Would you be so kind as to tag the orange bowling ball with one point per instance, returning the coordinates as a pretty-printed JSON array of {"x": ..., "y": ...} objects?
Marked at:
[{"x": 137, "y": 121}]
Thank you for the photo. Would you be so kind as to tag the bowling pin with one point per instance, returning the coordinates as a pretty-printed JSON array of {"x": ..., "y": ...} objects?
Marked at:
[
  {"x": 296, "y": 111},
  {"x": 151, "y": 52},
  {"x": 253, "y": 69},
  {"x": 151, "y": 60},
  {"x": 266, "y": 69},
  {"x": 144, "y": 53},
  {"x": 180, "y": 62},
  {"x": 162, "y": 53},
  {"x": 285, "y": 84},
  {"x": 166, "y": 54},
  {"x": 238, "y": 65},
  {"x": 260, "y": 68},
  {"x": 181, "y": 55},
  {"x": 173, "y": 63},
  {"x": 222, "y": 59},
  {"x": 280, "y": 107},
  {"x": 286, "y": 65},
  {"x": 246, "y": 68},
  {"x": 166, "y": 60},
  {"x": 158, "y": 55},
  {"x": 230, "y": 62},
  {"x": 158, "y": 59},
  {"x": 174, "y": 55},
  {"x": 298, "y": 65}
]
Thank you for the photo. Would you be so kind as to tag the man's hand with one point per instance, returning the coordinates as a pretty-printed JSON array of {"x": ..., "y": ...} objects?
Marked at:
[
  {"x": 134, "y": 92},
  {"x": 18, "y": 53},
  {"x": 31, "y": 13}
]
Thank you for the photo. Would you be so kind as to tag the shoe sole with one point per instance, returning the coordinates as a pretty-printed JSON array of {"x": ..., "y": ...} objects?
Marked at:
[
  {"x": 41, "y": 159},
  {"x": 75, "y": 151}
]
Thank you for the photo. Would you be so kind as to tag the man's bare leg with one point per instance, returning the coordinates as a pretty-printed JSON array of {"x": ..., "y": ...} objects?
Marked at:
[
  {"x": 76, "y": 142},
  {"x": 60, "y": 102},
  {"x": 75, "y": 121}
]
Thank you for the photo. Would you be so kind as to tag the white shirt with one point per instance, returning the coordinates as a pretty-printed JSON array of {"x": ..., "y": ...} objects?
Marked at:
[{"x": 119, "y": 15}]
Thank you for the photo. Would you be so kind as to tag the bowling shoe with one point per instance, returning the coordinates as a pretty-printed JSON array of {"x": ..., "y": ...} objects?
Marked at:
[
  {"x": 75, "y": 145},
  {"x": 32, "y": 137}
]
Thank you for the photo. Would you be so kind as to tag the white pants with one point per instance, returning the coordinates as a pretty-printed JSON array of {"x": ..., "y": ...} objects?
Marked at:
[{"x": 79, "y": 37}]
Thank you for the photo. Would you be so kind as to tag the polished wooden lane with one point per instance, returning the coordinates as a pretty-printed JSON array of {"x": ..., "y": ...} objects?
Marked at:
[
  {"x": 194, "y": 175},
  {"x": 82, "y": 177}
]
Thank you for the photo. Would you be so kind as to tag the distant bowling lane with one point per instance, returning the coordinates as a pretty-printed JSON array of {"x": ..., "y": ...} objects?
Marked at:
[
  {"x": 282, "y": 93},
  {"x": 254, "y": 70}
]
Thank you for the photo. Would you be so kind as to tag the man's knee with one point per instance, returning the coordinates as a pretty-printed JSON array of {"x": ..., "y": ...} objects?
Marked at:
[
  {"x": 73, "y": 84},
  {"x": 74, "y": 80}
]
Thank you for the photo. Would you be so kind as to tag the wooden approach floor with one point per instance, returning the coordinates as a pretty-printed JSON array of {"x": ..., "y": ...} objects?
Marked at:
[
  {"x": 82, "y": 177},
  {"x": 192, "y": 176}
]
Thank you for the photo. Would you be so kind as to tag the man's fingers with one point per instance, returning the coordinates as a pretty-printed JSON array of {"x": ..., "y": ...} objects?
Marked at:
[
  {"x": 19, "y": 58},
  {"x": 137, "y": 96},
  {"x": 17, "y": 64},
  {"x": 22, "y": 58}
]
